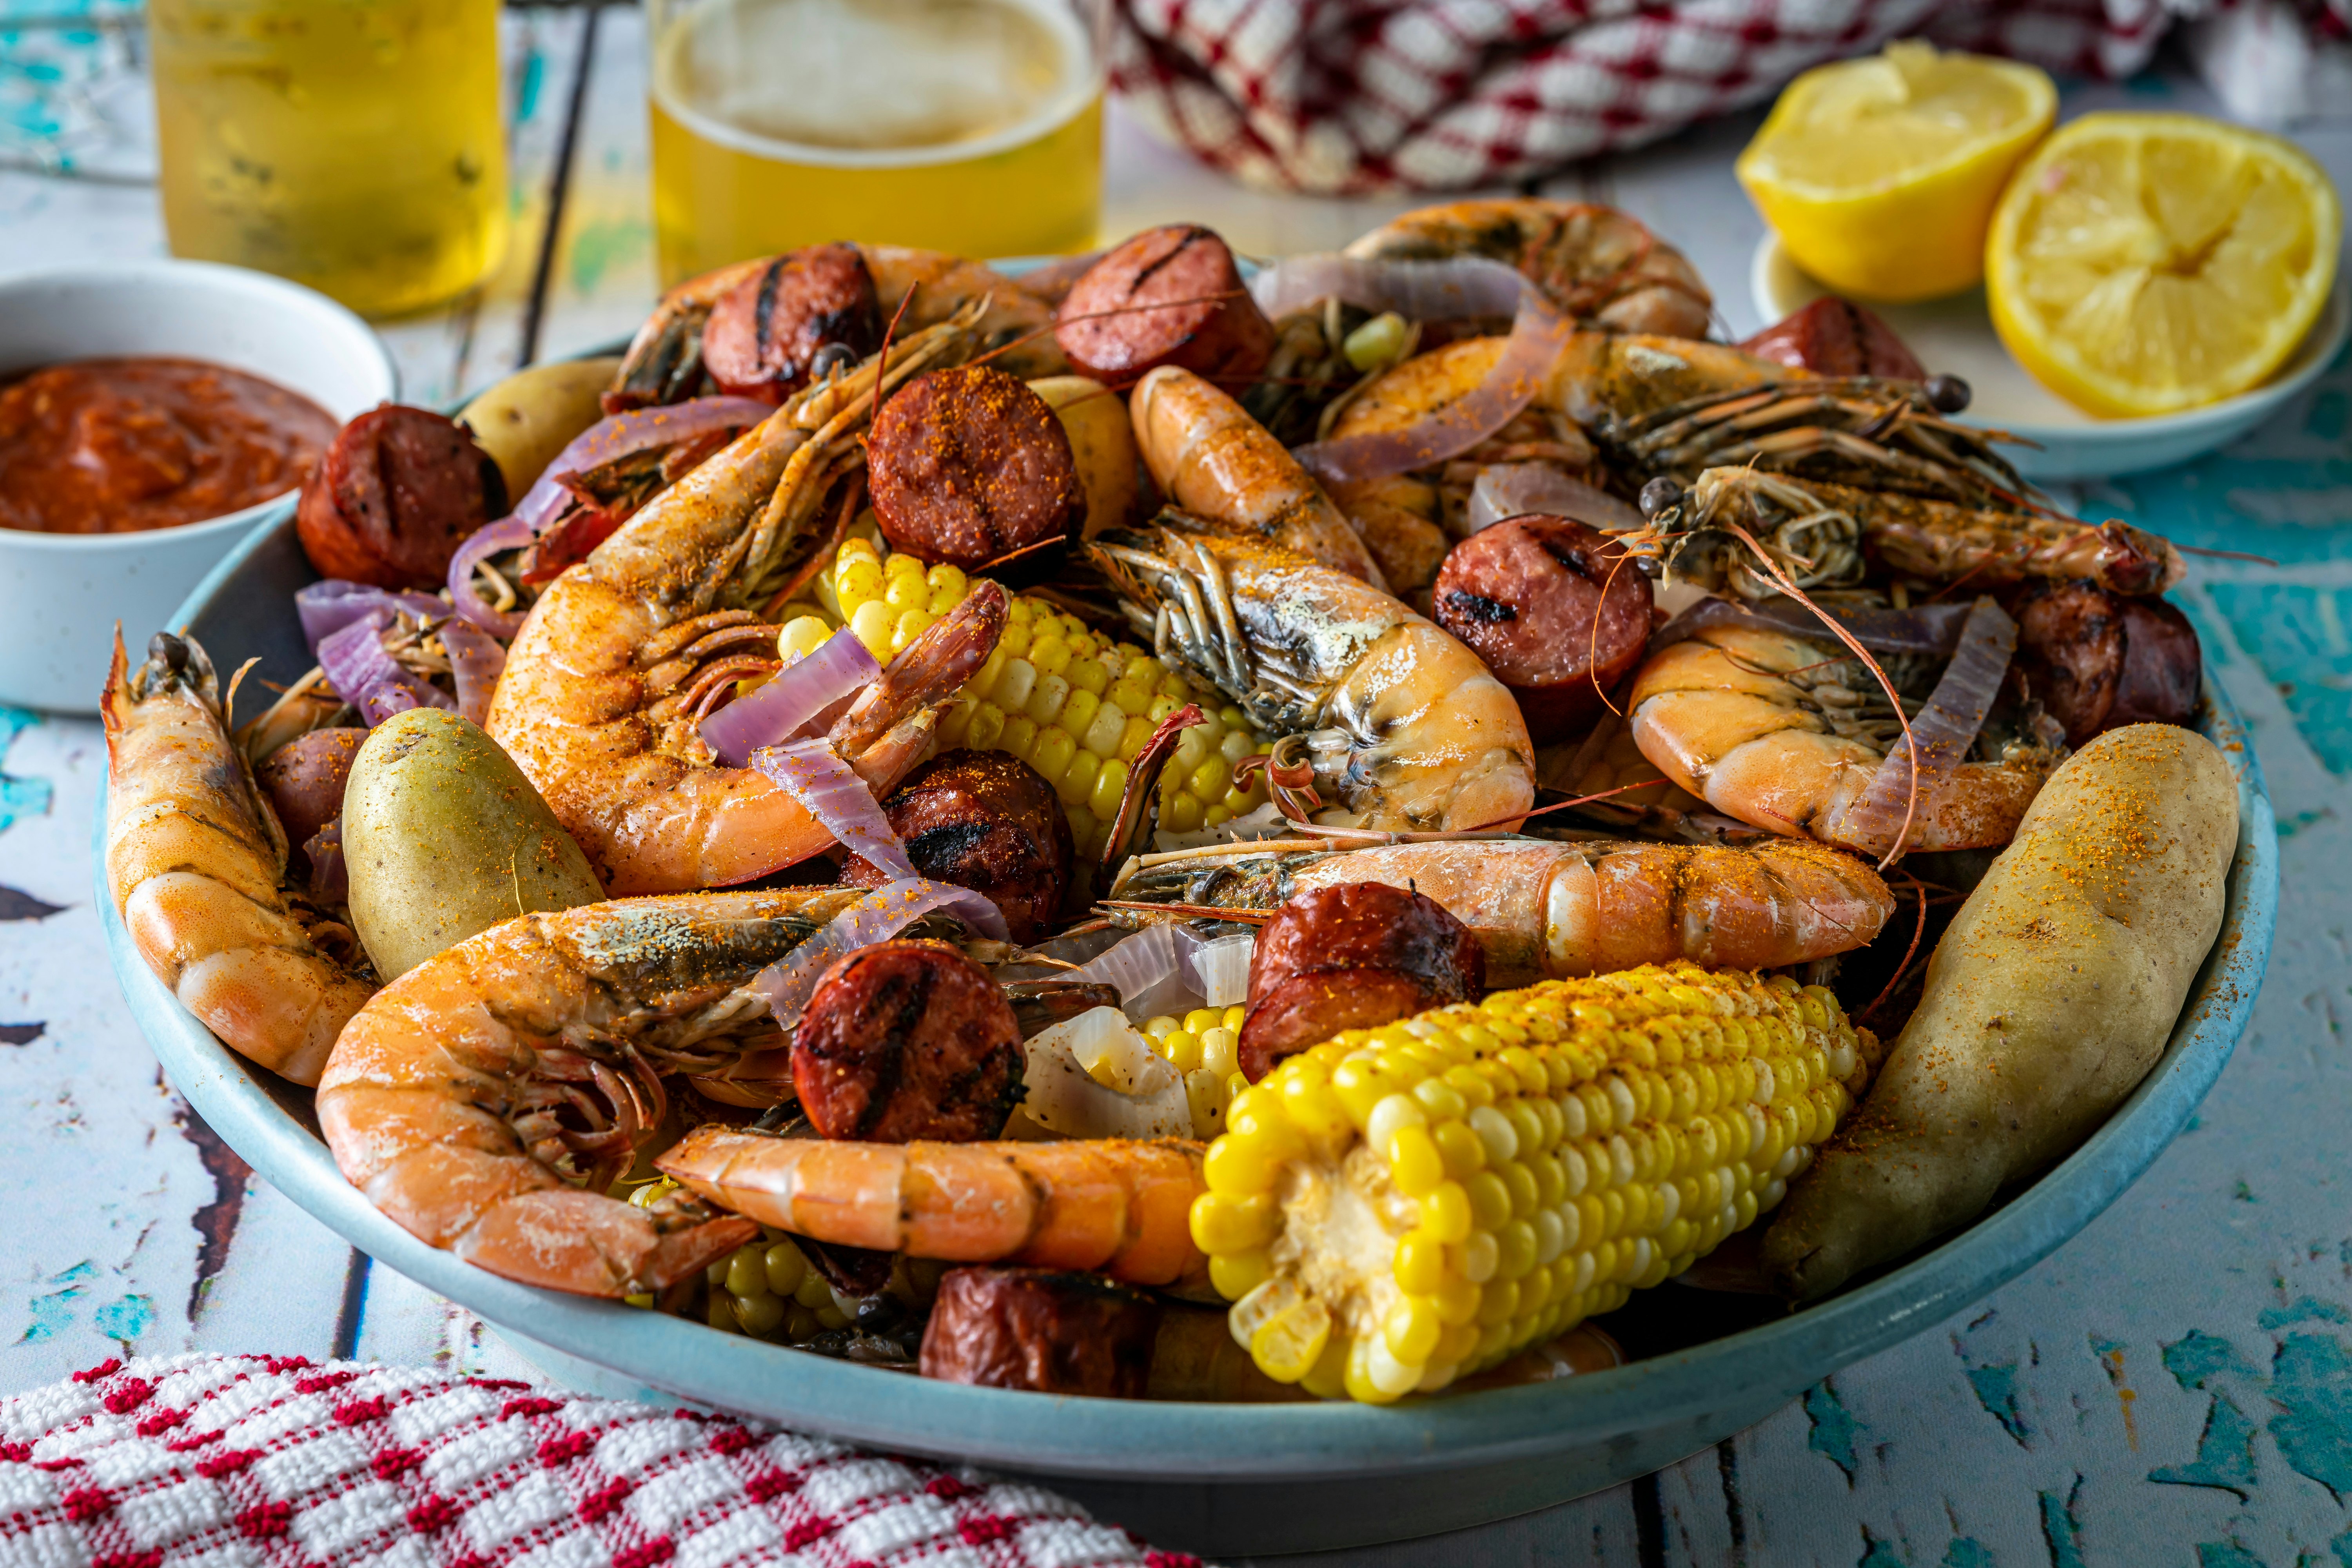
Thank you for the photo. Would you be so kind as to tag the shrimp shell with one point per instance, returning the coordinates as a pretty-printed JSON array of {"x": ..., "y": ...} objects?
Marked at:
[{"x": 195, "y": 861}]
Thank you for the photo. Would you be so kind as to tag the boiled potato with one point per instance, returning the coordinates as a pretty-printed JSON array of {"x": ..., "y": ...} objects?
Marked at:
[
  {"x": 2048, "y": 1000},
  {"x": 526, "y": 419},
  {"x": 1102, "y": 440},
  {"x": 443, "y": 837}
]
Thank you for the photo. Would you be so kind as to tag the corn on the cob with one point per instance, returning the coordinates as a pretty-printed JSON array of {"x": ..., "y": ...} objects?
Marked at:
[
  {"x": 1073, "y": 704},
  {"x": 1402, "y": 1206}
]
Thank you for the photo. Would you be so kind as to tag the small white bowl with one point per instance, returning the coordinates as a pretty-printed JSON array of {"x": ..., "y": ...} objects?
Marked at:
[
  {"x": 60, "y": 594},
  {"x": 1955, "y": 336}
]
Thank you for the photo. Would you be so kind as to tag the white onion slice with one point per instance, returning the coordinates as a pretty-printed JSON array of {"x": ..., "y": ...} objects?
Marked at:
[
  {"x": 787, "y": 704},
  {"x": 1945, "y": 729},
  {"x": 1457, "y": 288},
  {"x": 1514, "y": 489},
  {"x": 1219, "y": 970},
  {"x": 813, "y": 772},
  {"x": 878, "y": 916},
  {"x": 1060, "y": 1095},
  {"x": 1147, "y": 972}
]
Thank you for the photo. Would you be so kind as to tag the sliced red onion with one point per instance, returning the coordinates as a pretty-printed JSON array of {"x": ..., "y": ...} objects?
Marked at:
[
  {"x": 328, "y": 607},
  {"x": 791, "y": 699},
  {"x": 1932, "y": 630},
  {"x": 369, "y": 679},
  {"x": 1945, "y": 729},
  {"x": 1457, "y": 289},
  {"x": 878, "y": 916},
  {"x": 1514, "y": 489},
  {"x": 618, "y": 435},
  {"x": 1539, "y": 334},
  {"x": 812, "y": 772},
  {"x": 331, "y": 880},
  {"x": 490, "y": 539},
  {"x": 477, "y": 659}
]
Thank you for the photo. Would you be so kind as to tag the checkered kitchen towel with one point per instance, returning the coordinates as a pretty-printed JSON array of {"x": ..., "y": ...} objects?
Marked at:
[
  {"x": 1354, "y": 96},
  {"x": 247, "y": 1461}
]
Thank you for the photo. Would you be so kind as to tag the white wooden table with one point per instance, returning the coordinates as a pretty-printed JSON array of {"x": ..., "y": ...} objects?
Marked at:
[{"x": 2174, "y": 1386}]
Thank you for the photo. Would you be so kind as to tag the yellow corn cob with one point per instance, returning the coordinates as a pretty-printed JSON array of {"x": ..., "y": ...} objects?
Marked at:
[
  {"x": 1073, "y": 704},
  {"x": 1402, "y": 1206}
]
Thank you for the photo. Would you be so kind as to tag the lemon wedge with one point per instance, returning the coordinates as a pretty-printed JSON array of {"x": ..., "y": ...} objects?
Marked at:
[
  {"x": 1880, "y": 174},
  {"x": 2147, "y": 263}
]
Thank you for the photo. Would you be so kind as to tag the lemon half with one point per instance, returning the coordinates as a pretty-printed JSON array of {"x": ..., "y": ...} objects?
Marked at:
[
  {"x": 2148, "y": 263},
  {"x": 1880, "y": 174}
]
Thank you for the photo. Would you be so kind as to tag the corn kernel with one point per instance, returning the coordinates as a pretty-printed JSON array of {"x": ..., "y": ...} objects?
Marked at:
[
  {"x": 800, "y": 637},
  {"x": 947, "y": 582},
  {"x": 1020, "y": 737},
  {"x": 1235, "y": 1275},
  {"x": 1445, "y": 1211},
  {"x": 1161, "y": 1026},
  {"x": 1180, "y": 815},
  {"x": 987, "y": 726},
  {"x": 1105, "y": 734},
  {"x": 903, "y": 564},
  {"x": 1210, "y": 779},
  {"x": 1046, "y": 699},
  {"x": 1222, "y": 1223},
  {"x": 1090, "y": 675},
  {"x": 904, "y": 591},
  {"x": 1078, "y": 715},
  {"x": 1129, "y": 696},
  {"x": 1051, "y": 654},
  {"x": 1053, "y": 753},
  {"x": 1076, "y": 786},
  {"x": 871, "y": 622},
  {"x": 785, "y": 1267},
  {"x": 1111, "y": 784},
  {"x": 762, "y": 1314},
  {"x": 813, "y": 1293},
  {"x": 857, "y": 580},
  {"x": 912, "y": 623},
  {"x": 1182, "y": 1050},
  {"x": 1161, "y": 707},
  {"x": 1235, "y": 1016},
  {"x": 1014, "y": 638}
]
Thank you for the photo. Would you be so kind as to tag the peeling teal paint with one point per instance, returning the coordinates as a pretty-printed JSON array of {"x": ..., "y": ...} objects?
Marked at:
[
  {"x": 53, "y": 1313},
  {"x": 2311, "y": 1382},
  {"x": 1996, "y": 1389},
  {"x": 2200, "y": 1356},
  {"x": 1967, "y": 1553},
  {"x": 2225, "y": 1453},
  {"x": 19, "y": 797},
  {"x": 2060, "y": 1530},
  {"x": 2342, "y": 1547},
  {"x": 1881, "y": 1554},
  {"x": 126, "y": 1320},
  {"x": 2303, "y": 1309},
  {"x": 1834, "y": 1430}
]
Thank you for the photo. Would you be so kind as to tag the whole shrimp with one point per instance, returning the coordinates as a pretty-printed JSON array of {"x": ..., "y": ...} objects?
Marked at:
[
  {"x": 604, "y": 688},
  {"x": 196, "y": 860},
  {"x": 663, "y": 360},
  {"x": 1544, "y": 909},
  {"x": 1399, "y": 720},
  {"x": 1596, "y": 263},
  {"x": 1117, "y": 1205},
  {"x": 1216, "y": 462},
  {"x": 486, "y": 1098},
  {"x": 1787, "y": 735}
]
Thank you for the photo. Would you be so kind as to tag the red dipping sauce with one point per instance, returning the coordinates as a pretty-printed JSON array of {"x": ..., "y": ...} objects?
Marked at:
[{"x": 121, "y": 446}]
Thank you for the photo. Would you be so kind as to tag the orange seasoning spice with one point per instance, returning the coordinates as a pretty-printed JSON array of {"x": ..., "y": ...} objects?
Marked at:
[{"x": 121, "y": 446}]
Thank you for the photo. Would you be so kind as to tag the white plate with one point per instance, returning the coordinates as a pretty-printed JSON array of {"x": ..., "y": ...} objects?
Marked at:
[{"x": 1955, "y": 336}]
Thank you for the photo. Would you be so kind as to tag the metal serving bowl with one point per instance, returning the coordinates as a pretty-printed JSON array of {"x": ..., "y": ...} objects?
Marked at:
[{"x": 1229, "y": 1478}]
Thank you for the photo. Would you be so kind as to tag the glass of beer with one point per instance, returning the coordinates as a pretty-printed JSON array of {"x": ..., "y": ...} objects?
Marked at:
[
  {"x": 972, "y": 126},
  {"x": 354, "y": 145}
]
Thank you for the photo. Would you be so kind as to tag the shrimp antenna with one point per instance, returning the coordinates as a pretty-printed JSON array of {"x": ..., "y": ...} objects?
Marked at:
[
  {"x": 1593, "y": 643},
  {"x": 1910, "y": 741},
  {"x": 1918, "y": 929}
]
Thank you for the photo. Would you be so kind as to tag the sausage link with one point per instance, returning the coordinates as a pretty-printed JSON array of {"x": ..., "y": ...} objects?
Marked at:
[
  {"x": 986, "y": 821},
  {"x": 908, "y": 1040},
  {"x": 1837, "y": 337},
  {"x": 1553, "y": 608},
  {"x": 1041, "y": 1330},
  {"x": 1216, "y": 331},
  {"x": 764, "y": 332},
  {"x": 969, "y": 464},
  {"x": 1353, "y": 956},
  {"x": 2099, "y": 660},
  {"x": 397, "y": 491}
]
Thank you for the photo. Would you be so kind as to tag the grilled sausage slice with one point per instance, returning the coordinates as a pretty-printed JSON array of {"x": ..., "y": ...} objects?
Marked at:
[
  {"x": 1554, "y": 609},
  {"x": 905, "y": 1040},
  {"x": 969, "y": 464},
  {"x": 1353, "y": 957},
  {"x": 764, "y": 332},
  {"x": 1206, "y": 321},
  {"x": 395, "y": 493},
  {"x": 1041, "y": 1330},
  {"x": 986, "y": 821}
]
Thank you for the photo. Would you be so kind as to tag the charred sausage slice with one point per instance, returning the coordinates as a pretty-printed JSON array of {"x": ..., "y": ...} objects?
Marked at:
[
  {"x": 1041, "y": 1330},
  {"x": 395, "y": 493},
  {"x": 1553, "y": 608},
  {"x": 764, "y": 332},
  {"x": 987, "y": 821},
  {"x": 1206, "y": 321},
  {"x": 1353, "y": 957},
  {"x": 905, "y": 1040},
  {"x": 967, "y": 465}
]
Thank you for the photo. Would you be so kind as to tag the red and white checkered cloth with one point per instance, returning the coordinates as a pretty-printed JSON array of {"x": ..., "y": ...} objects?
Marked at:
[
  {"x": 247, "y": 1461},
  {"x": 1356, "y": 97}
]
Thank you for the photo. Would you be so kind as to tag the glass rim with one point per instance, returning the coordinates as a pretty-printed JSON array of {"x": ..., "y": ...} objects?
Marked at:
[{"x": 1084, "y": 90}]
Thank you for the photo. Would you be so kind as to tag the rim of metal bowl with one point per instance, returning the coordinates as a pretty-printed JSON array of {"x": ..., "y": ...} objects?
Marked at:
[{"x": 1198, "y": 1442}]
